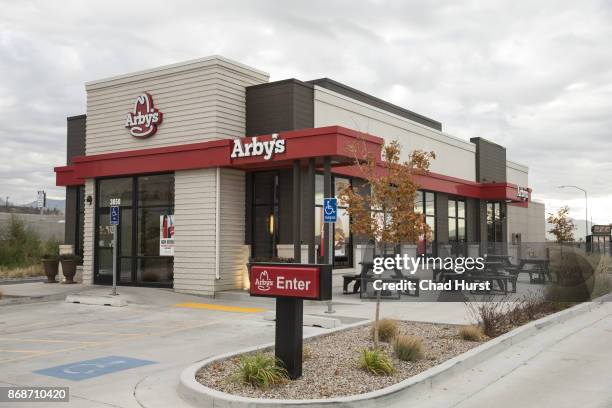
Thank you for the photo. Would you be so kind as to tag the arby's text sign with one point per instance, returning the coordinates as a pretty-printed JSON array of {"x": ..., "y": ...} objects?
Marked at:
[{"x": 301, "y": 281}]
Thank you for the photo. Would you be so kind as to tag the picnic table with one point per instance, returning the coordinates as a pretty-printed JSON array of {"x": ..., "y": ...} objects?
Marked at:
[
  {"x": 535, "y": 266},
  {"x": 493, "y": 272},
  {"x": 360, "y": 280}
]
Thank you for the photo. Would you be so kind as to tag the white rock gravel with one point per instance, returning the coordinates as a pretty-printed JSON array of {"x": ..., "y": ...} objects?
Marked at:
[{"x": 333, "y": 369}]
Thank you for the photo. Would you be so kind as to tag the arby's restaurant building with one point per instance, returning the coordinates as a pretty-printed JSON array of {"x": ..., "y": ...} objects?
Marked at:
[{"x": 213, "y": 165}]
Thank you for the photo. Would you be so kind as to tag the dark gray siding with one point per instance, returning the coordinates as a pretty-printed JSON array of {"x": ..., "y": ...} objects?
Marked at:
[
  {"x": 472, "y": 220},
  {"x": 442, "y": 218},
  {"x": 482, "y": 225},
  {"x": 71, "y": 215},
  {"x": 75, "y": 146},
  {"x": 490, "y": 161},
  {"x": 279, "y": 106},
  {"x": 285, "y": 206},
  {"x": 75, "y": 137},
  {"x": 373, "y": 101}
]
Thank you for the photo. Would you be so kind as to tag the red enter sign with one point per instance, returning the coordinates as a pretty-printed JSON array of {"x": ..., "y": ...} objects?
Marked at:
[{"x": 285, "y": 281}]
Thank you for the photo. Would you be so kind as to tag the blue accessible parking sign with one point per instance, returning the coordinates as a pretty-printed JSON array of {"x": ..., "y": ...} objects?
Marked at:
[
  {"x": 114, "y": 215},
  {"x": 82, "y": 370},
  {"x": 330, "y": 209}
]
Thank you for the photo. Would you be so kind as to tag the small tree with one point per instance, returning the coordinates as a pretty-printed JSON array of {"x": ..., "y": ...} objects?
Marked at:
[
  {"x": 562, "y": 226},
  {"x": 387, "y": 214}
]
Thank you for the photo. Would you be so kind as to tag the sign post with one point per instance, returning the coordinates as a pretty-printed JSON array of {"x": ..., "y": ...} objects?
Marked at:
[
  {"x": 330, "y": 216},
  {"x": 114, "y": 222},
  {"x": 41, "y": 200},
  {"x": 290, "y": 284}
]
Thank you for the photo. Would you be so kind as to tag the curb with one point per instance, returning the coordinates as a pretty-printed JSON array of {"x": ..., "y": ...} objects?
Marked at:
[{"x": 200, "y": 395}]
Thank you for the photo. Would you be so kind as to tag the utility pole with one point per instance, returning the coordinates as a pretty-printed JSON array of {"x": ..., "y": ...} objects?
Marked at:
[{"x": 586, "y": 206}]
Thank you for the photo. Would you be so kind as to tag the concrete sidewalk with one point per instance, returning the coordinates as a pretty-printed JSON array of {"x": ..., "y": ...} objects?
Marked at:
[{"x": 568, "y": 365}]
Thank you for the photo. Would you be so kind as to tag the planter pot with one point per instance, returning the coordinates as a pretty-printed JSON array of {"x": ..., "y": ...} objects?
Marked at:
[
  {"x": 69, "y": 269},
  {"x": 50, "y": 267}
]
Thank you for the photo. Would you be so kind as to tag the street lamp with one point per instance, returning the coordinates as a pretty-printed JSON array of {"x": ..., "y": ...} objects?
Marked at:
[{"x": 586, "y": 219}]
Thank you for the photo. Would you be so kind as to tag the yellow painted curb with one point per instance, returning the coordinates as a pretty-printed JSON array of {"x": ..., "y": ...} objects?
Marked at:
[{"x": 221, "y": 308}]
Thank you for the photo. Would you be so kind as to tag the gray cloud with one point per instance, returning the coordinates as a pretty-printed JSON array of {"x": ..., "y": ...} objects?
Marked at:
[{"x": 533, "y": 76}]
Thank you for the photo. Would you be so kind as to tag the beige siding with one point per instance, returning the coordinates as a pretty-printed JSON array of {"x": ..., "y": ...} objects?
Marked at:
[
  {"x": 88, "y": 233},
  {"x": 529, "y": 222},
  {"x": 194, "y": 220},
  {"x": 233, "y": 253},
  {"x": 454, "y": 157},
  {"x": 517, "y": 174},
  {"x": 200, "y": 100}
]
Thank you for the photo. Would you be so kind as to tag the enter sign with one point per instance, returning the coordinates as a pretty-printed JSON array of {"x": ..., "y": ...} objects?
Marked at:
[{"x": 285, "y": 281}]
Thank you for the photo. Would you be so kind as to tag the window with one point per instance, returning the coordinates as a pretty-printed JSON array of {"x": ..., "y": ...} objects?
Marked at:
[
  {"x": 343, "y": 246},
  {"x": 494, "y": 222},
  {"x": 425, "y": 203},
  {"x": 456, "y": 227},
  {"x": 265, "y": 212},
  {"x": 145, "y": 202},
  {"x": 456, "y": 221}
]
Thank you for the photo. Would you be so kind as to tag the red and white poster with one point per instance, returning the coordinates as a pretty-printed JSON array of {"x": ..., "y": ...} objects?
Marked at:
[{"x": 166, "y": 235}]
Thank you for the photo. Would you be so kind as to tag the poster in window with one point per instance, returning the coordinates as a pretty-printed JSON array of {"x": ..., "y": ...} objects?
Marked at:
[{"x": 166, "y": 235}]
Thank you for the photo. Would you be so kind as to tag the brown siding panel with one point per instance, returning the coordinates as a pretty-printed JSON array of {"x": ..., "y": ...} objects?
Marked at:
[
  {"x": 75, "y": 137},
  {"x": 490, "y": 161},
  {"x": 279, "y": 106}
]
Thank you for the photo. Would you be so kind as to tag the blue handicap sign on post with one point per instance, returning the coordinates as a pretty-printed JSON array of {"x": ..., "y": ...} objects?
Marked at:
[
  {"x": 83, "y": 370},
  {"x": 330, "y": 209},
  {"x": 114, "y": 215}
]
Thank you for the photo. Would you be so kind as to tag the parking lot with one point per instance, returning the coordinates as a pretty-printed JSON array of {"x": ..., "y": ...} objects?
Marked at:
[
  {"x": 43, "y": 336},
  {"x": 131, "y": 356}
]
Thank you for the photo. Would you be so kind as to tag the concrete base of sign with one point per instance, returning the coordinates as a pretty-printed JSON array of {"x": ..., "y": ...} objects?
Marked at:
[
  {"x": 310, "y": 320},
  {"x": 107, "y": 300},
  {"x": 200, "y": 395}
]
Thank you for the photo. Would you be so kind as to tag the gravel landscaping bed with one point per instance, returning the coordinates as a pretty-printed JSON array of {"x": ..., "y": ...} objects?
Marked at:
[{"x": 332, "y": 369}]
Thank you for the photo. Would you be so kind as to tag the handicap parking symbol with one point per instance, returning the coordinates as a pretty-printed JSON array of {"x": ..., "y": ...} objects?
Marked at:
[
  {"x": 114, "y": 215},
  {"x": 330, "y": 209},
  {"x": 83, "y": 370}
]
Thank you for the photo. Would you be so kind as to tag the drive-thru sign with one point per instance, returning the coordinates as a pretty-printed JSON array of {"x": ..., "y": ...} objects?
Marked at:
[
  {"x": 291, "y": 280},
  {"x": 290, "y": 284}
]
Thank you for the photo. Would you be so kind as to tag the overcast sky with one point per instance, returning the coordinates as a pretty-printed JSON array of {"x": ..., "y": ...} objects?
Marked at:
[{"x": 534, "y": 76}]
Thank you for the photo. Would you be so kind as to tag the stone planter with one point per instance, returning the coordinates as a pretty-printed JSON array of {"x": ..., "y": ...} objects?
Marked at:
[
  {"x": 69, "y": 269},
  {"x": 50, "y": 267}
]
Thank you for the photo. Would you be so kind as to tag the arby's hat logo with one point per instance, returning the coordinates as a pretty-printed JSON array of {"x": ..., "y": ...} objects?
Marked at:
[
  {"x": 145, "y": 118},
  {"x": 263, "y": 282}
]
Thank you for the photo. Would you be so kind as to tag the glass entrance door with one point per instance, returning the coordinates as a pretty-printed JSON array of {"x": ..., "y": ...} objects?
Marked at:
[
  {"x": 265, "y": 214},
  {"x": 146, "y": 220}
]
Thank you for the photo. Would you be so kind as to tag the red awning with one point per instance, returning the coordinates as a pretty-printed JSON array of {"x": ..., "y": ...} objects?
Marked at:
[{"x": 342, "y": 145}]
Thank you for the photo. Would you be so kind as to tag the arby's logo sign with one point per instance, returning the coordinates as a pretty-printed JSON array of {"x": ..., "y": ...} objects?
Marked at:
[
  {"x": 263, "y": 281},
  {"x": 145, "y": 118},
  {"x": 256, "y": 147},
  {"x": 297, "y": 281}
]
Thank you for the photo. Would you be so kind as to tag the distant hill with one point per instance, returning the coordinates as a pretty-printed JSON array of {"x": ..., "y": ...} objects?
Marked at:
[{"x": 52, "y": 204}]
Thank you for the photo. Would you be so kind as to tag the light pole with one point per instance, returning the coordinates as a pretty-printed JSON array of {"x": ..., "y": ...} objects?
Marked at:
[{"x": 586, "y": 203}]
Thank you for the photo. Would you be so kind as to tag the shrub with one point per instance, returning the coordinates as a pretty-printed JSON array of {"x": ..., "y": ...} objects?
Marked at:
[
  {"x": 19, "y": 245},
  {"x": 470, "y": 333},
  {"x": 51, "y": 249},
  {"x": 408, "y": 348},
  {"x": 376, "y": 362},
  {"x": 387, "y": 330},
  {"x": 260, "y": 370},
  {"x": 492, "y": 317},
  {"x": 307, "y": 353},
  {"x": 574, "y": 279}
]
